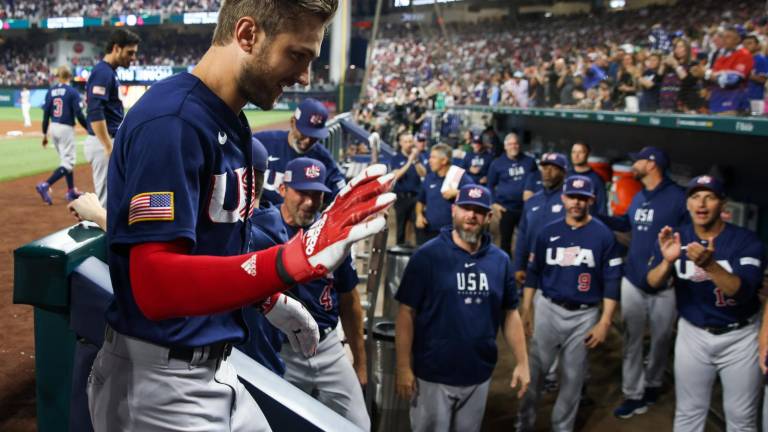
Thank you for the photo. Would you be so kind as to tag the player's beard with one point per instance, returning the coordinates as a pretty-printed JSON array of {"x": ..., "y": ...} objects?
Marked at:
[
  {"x": 471, "y": 237},
  {"x": 256, "y": 83}
]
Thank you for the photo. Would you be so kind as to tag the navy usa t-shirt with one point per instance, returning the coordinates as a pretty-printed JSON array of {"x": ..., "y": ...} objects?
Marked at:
[
  {"x": 460, "y": 300},
  {"x": 410, "y": 182},
  {"x": 577, "y": 265},
  {"x": 179, "y": 170},
  {"x": 103, "y": 97},
  {"x": 437, "y": 209},
  {"x": 506, "y": 179},
  {"x": 740, "y": 252}
]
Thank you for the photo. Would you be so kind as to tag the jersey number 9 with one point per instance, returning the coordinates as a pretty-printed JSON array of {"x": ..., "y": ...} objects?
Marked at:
[{"x": 585, "y": 279}]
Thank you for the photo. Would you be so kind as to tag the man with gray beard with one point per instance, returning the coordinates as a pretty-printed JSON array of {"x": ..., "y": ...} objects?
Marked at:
[{"x": 448, "y": 320}]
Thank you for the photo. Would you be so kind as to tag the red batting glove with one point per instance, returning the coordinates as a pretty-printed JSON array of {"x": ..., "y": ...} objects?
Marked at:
[{"x": 356, "y": 213}]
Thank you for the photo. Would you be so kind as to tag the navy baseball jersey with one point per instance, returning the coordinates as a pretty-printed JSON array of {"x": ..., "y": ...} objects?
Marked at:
[
  {"x": 410, "y": 182},
  {"x": 320, "y": 296},
  {"x": 533, "y": 182},
  {"x": 62, "y": 105},
  {"x": 601, "y": 197},
  {"x": 280, "y": 153},
  {"x": 180, "y": 169},
  {"x": 542, "y": 208},
  {"x": 460, "y": 299},
  {"x": 103, "y": 97},
  {"x": 740, "y": 252},
  {"x": 649, "y": 212},
  {"x": 264, "y": 340},
  {"x": 482, "y": 160},
  {"x": 506, "y": 179},
  {"x": 581, "y": 265},
  {"x": 438, "y": 209}
]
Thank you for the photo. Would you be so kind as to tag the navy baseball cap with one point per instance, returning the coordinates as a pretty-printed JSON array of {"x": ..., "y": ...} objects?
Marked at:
[
  {"x": 259, "y": 155},
  {"x": 311, "y": 116},
  {"x": 556, "y": 159},
  {"x": 579, "y": 185},
  {"x": 705, "y": 182},
  {"x": 305, "y": 174},
  {"x": 651, "y": 153},
  {"x": 474, "y": 194},
  {"x": 421, "y": 136}
]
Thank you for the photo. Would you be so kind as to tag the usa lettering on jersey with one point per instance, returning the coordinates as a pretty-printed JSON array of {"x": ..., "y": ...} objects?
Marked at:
[
  {"x": 694, "y": 273},
  {"x": 573, "y": 256},
  {"x": 516, "y": 171},
  {"x": 643, "y": 219},
  {"x": 472, "y": 282},
  {"x": 216, "y": 210}
]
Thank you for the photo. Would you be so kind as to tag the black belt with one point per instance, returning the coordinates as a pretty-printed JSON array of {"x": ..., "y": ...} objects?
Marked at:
[
  {"x": 408, "y": 194},
  {"x": 571, "y": 306},
  {"x": 727, "y": 329},
  {"x": 325, "y": 332},
  {"x": 217, "y": 351}
]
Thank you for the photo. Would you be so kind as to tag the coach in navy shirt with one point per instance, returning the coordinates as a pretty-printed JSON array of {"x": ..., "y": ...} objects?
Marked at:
[
  {"x": 660, "y": 203},
  {"x": 433, "y": 209},
  {"x": 542, "y": 208},
  {"x": 478, "y": 161},
  {"x": 717, "y": 270},
  {"x": 579, "y": 165},
  {"x": 456, "y": 291},
  {"x": 576, "y": 266},
  {"x": 506, "y": 179},
  {"x": 408, "y": 168},
  {"x": 308, "y": 125},
  {"x": 105, "y": 109}
]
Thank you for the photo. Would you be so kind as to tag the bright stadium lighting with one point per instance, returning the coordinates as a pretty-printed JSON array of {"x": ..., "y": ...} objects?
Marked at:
[{"x": 617, "y": 4}]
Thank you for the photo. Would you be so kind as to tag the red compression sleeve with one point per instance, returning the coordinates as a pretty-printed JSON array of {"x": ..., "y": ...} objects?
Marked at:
[{"x": 169, "y": 283}]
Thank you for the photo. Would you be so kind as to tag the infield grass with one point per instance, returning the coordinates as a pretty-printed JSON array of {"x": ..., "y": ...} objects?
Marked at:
[{"x": 24, "y": 156}]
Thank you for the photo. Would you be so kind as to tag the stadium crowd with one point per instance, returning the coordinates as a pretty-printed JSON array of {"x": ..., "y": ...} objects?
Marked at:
[
  {"x": 653, "y": 59},
  {"x": 33, "y": 9}
]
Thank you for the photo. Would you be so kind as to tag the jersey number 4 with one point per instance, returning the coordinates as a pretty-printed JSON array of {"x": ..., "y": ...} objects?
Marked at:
[
  {"x": 58, "y": 107},
  {"x": 585, "y": 279},
  {"x": 325, "y": 298}
]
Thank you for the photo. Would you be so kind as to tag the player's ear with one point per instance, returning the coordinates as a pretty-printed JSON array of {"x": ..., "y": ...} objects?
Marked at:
[
  {"x": 281, "y": 189},
  {"x": 248, "y": 34}
]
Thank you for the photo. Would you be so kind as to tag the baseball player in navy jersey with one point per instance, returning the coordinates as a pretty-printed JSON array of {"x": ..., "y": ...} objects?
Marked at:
[
  {"x": 506, "y": 178},
  {"x": 184, "y": 181},
  {"x": 408, "y": 168},
  {"x": 433, "y": 208},
  {"x": 456, "y": 291},
  {"x": 579, "y": 165},
  {"x": 717, "y": 271},
  {"x": 477, "y": 161},
  {"x": 328, "y": 376},
  {"x": 660, "y": 203},
  {"x": 542, "y": 208},
  {"x": 61, "y": 108},
  {"x": 307, "y": 127},
  {"x": 105, "y": 109},
  {"x": 576, "y": 266}
]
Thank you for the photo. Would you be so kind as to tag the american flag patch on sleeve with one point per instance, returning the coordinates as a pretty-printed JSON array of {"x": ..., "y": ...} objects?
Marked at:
[{"x": 151, "y": 206}]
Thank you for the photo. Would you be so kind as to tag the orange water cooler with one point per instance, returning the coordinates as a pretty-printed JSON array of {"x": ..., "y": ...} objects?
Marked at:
[{"x": 623, "y": 189}]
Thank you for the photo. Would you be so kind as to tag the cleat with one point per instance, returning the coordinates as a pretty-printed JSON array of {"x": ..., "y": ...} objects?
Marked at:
[
  {"x": 42, "y": 189},
  {"x": 630, "y": 407}
]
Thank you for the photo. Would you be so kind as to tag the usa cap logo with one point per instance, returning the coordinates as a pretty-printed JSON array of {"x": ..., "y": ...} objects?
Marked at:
[
  {"x": 704, "y": 180},
  {"x": 475, "y": 193},
  {"x": 578, "y": 183},
  {"x": 312, "y": 171},
  {"x": 316, "y": 119}
]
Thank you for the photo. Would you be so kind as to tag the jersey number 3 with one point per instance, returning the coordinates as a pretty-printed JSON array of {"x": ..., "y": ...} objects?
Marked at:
[
  {"x": 325, "y": 298},
  {"x": 585, "y": 279},
  {"x": 58, "y": 107}
]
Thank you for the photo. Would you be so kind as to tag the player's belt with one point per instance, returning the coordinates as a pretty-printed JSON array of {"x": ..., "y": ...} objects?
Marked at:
[
  {"x": 571, "y": 306},
  {"x": 217, "y": 351},
  {"x": 729, "y": 328},
  {"x": 325, "y": 332}
]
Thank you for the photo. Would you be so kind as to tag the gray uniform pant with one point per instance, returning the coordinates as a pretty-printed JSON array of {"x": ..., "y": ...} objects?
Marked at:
[
  {"x": 700, "y": 357},
  {"x": 329, "y": 378},
  {"x": 557, "y": 332},
  {"x": 134, "y": 386},
  {"x": 444, "y": 408},
  {"x": 95, "y": 154},
  {"x": 63, "y": 137},
  {"x": 657, "y": 311}
]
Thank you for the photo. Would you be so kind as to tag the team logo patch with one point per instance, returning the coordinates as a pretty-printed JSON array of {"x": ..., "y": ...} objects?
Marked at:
[
  {"x": 556, "y": 208},
  {"x": 151, "y": 206},
  {"x": 222, "y": 138},
  {"x": 316, "y": 119},
  {"x": 578, "y": 183},
  {"x": 475, "y": 193},
  {"x": 704, "y": 180},
  {"x": 312, "y": 171},
  {"x": 99, "y": 90},
  {"x": 250, "y": 265},
  {"x": 551, "y": 156}
]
